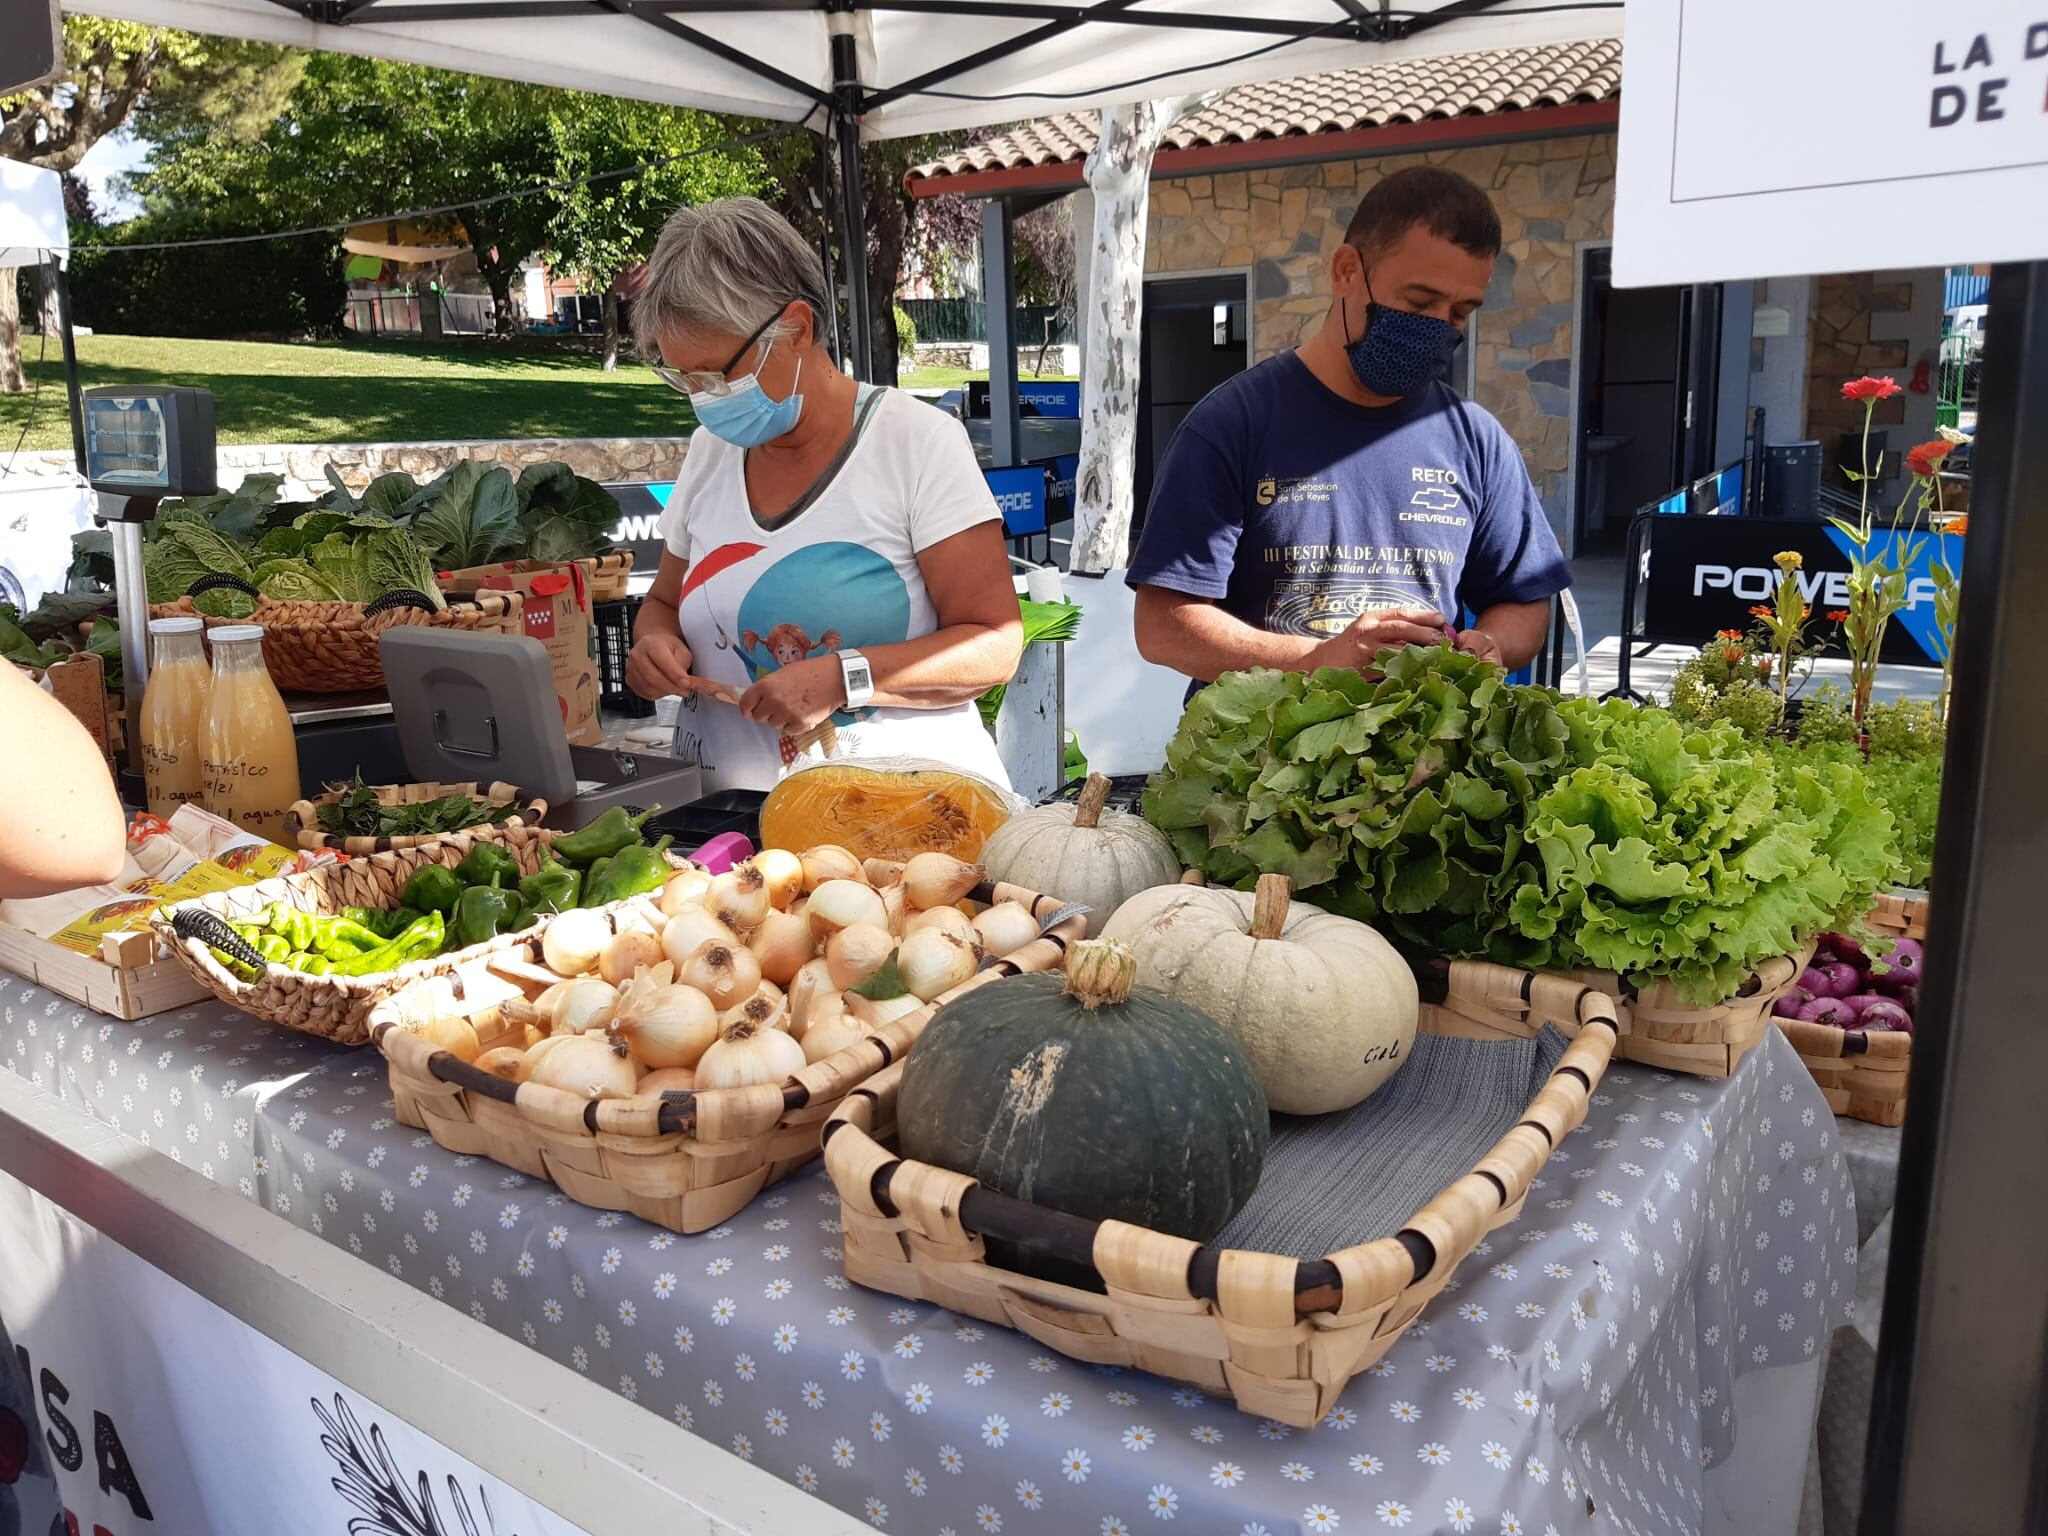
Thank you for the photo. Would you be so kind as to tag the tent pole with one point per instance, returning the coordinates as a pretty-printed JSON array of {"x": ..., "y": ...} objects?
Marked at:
[
  {"x": 1957, "y": 1419},
  {"x": 998, "y": 277},
  {"x": 61, "y": 285},
  {"x": 823, "y": 193},
  {"x": 846, "y": 107}
]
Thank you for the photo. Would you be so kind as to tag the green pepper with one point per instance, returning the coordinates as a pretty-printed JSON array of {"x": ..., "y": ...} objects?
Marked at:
[
  {"x": 608, "y": 834},
  {"x": 551, "y": 888},
  {"x": 320, "y": 965},
  {"x": 596, "y": 872},
  {"x": 432, "y": 888},
  {"x": 484, "y": 912},
  {"x": 630, "y": 872},
  {"x": 386, "y": 923},
  {"x": 420, "y": 939},
  {"x": 289, "y": 923},
  {"x": 341, "y": 938},
  {"x": 486, "y": 860}
]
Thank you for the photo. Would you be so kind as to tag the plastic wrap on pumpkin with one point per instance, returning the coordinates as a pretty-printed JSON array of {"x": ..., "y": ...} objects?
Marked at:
[{"x": 886, "y": 808}]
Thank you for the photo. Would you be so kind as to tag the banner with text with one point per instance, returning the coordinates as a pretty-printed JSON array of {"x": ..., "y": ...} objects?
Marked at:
[
  {"x": 1759, "y": 138},
  {"x": 165, "y": 1413}
]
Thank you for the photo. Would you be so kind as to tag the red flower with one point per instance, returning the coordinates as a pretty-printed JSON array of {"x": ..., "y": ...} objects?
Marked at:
[
  {"x": 1838, "y": 615},
  {"x": 1727, "y": 634},
  {"x": 1925, "y": 460},
  {"x": 1731, "y": 654},
  {"x": 1762, "y": 612},
  {"x": 1870, "y": 387}
]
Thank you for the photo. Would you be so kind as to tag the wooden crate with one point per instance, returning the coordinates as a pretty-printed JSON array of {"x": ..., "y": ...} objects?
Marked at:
[
  {"x": 688, "y": 1162},
  {"x": 1279, "y": 1335},
  {"x": 127, "y": 979}
]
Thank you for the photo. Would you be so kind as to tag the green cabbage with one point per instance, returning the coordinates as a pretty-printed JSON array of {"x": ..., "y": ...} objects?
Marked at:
[
  {"x": 286, "y": 581},
  {"x": 474, "y": 517},
  {"x": 395, "y": 561},
  {"x": 1467, "y": 816},
  {"x": 344, "y": 564}
]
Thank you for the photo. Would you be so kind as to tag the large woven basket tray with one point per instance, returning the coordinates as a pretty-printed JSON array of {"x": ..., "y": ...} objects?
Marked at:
[
  {"x": 1280, "y": 1335},
  {"x": 688, "y": 1162},
  {"x": 337, "y": 1007},
  {"x": 330, "y": 647},
  {"x": 1863, "y": 1074},
  {"x": 1659, "y": 1031},
  {"x": 302, "y": 821},
  {"x": 608, "y": 573}
]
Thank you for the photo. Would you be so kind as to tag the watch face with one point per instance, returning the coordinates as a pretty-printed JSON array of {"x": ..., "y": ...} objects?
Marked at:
[{"x": 858, "y": 680}]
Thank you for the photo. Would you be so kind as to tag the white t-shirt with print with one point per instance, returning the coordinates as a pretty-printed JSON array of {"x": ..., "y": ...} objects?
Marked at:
[{"x": 841, "y": 573}]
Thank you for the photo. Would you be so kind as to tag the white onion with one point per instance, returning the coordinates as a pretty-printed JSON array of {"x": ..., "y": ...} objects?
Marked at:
[
  {"x": 447, "y": 1033},
  {"x": 1005, "y": 928},
  {"x": 947, "y": 920},
  {"x": 627, "y": 953},
  {"x": 738, "y": 898},
  {"x": 537, "y": 1053},
  {"x": 684, "y": 888},
  {"x": 653, "y": 1085},
  {"x": 855, "y": 953},
  {"x": 503, "y": 1061},
  {"x": 783, "y": 944},
  {"x": 665, "y": 1024},
  {"x": 574, "y": 940},
  {"x": 725, "y": 973},
  {"x": 585, "y": 1004},
  {"x": 689, "y": 930},
  {"x": 828, "y": 861},
  {"x": 840, "y": 904},
  {"x": 588, "y": 1066},
  {"x": 813, "y": 982},
  {"x": 832, "y": 1034},
  {"x": 875, "y": 1012},
  {"x": 939, "y": 879},
  {"x": 882, "y": 873},
  {"x": 758, "y": 1012},
  {"x": 783, "y": 871},
  {"x": 746, "y": 1057},
  {"x": 896, "y": 908},
  {"x": 933, "y": 962}
]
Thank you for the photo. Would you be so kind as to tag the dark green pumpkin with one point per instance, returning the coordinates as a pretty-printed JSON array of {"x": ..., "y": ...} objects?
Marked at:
[{"x": 1085, "y": 1095}]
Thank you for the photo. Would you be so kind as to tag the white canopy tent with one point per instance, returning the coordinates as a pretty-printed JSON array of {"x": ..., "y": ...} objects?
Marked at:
[{"x": 849, "y": 69}]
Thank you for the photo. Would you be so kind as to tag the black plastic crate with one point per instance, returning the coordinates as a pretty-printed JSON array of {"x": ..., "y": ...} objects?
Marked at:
[
  {"x": 614, "y": 623},
  {"x": 726, "y": 810}
]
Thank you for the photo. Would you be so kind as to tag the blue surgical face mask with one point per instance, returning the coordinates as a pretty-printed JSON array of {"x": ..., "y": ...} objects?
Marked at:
[
  {"x": 744, "y": 415},
  {"x": 1399, "y": 352}
]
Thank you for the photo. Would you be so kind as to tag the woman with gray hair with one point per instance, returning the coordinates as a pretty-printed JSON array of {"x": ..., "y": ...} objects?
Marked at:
[{"x": 835, "y": 582}]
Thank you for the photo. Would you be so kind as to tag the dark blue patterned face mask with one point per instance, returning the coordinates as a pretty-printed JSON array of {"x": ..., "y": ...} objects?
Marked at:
[{"x": 1399, "y": 352}]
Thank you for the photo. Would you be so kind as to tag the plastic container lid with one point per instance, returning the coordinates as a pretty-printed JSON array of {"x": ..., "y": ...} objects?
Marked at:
[
  {"x": 228, "y": 634},
  {"x": 176, "y": 626}
]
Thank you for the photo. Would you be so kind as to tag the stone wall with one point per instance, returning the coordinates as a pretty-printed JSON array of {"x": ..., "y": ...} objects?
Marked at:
[
  {"x": 611, "y": 459},
  {"x": 1283, "y": 225},
  {"x": 1871, "y": 323}
]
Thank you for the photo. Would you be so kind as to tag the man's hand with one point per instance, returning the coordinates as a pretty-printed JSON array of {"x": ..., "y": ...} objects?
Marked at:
[
  {"x": 659, "y": 666},
  {"x": 794, "y": 698},
  {"x": 1477, "y": 642},
  {"x": 1372, "y": 632}
]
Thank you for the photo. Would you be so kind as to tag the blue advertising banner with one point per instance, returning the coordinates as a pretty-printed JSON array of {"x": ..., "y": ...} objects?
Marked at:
[
  {"x": 1020, "y": 494},
  {"x": 1051, "y": 397}
]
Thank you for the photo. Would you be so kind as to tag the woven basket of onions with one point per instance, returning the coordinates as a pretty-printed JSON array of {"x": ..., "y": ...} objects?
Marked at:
[{"x": 675, "y": 1054}]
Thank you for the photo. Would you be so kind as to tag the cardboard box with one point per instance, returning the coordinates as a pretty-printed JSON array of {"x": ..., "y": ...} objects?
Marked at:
[{"x": 556, "y": 612}]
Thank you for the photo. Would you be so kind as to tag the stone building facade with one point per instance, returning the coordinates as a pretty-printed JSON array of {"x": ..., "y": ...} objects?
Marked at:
[{"x": 1282, "y": 224}]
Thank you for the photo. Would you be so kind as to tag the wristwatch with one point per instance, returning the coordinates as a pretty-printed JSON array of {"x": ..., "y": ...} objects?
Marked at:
[{"x": 858, "y": 677}]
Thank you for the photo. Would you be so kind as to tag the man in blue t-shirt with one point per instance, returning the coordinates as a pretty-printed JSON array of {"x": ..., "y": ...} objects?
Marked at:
[{"x": 1339, "y": 498}]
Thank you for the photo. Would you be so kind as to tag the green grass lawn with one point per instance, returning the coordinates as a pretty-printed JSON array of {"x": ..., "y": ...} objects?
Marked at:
[{"x": 336, "y": 392}]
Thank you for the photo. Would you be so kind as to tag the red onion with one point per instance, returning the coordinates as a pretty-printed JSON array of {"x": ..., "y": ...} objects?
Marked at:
[
  {"x": 1829, "y": 1010},
  {"x": 1885, "y": 1014},
  {"x": 1788, "y": 1006}
]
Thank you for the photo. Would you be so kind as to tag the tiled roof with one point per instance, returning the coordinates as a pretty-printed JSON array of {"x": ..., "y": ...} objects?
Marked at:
[{"x": 1409, "y": 91}]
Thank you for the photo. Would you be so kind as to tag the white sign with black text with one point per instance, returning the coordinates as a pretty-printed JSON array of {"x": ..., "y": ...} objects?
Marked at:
[{"x": 1761, "y": 139}]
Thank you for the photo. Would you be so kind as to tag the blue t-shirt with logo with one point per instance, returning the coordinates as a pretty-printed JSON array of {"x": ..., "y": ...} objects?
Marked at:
[{"x": 1296, "y": 510}]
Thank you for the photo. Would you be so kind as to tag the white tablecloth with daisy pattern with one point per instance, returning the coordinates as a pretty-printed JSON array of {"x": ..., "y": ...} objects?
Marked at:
[{"x": 1576, "y": 1377}]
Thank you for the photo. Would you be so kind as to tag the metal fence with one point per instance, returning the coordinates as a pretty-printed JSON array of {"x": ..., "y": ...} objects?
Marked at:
[
  {"x": 967, "y": 320},
  {"x": 397, "y": 313}
]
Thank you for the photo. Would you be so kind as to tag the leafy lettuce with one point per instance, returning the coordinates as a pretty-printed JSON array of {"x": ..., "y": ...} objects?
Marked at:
[
  {"x": 473, "y": 519},
  {"x": 1467, "y": 816}
]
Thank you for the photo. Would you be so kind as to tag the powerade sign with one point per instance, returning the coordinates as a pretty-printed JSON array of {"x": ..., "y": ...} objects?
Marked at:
[
  {"x": 1704, "y": 574},
  {"x": 1059, "y": 491},
  {"x": 639, "y": 525},
  {"x": 1020, "y": 495},
  {"x": 1054, "y": 399}
]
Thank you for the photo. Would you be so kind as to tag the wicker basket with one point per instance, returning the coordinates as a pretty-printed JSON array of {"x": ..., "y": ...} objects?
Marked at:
[
  {"x": 608, "y": 573},
  {"x": 687, "y": 1163},
  {"x": 1862, "y": 1074},
  {"x": 1657, "y": 1030},
  {"x": 330, "y": 647},
  {"x": 336, "y": 1007},
  {"x": 1280, "y": 1335},
  {"x": 302, "y": 821},
  {"x": 1902, "y": 914}
]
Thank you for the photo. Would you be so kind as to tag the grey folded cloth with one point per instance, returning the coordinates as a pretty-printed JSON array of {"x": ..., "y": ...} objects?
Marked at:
[{"x": 1332, "y": 1181}]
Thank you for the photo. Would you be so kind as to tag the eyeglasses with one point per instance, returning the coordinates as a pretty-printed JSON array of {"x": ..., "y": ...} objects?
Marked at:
[{"x": 717, "y": 385}]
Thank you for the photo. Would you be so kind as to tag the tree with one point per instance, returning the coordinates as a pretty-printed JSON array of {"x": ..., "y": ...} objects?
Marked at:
[
  {"x": 120, "y": 72},
  {"x": 604, "y": 228},
  {"x": 1119, "y": 173}
]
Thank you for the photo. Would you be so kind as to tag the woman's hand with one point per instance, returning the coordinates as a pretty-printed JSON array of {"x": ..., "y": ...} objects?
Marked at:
[
  {"x": 794, "y": 698},
  {"x": 659, "y": 666}
]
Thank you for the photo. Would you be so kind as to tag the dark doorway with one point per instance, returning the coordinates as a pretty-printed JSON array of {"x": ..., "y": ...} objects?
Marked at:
[
  {"x": 1639, "y": 366},
  {"x": 1195, "y": 333}
]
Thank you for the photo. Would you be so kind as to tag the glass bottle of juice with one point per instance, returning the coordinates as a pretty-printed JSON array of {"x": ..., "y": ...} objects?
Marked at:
[
  {"x": 251, "y": 758},
  {"x": 174, "y": 710}
]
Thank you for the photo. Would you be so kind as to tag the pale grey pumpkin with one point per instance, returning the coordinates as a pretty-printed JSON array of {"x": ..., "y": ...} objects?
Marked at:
[
  {"x": 1082, "y": 852},
  {"x": 1325, "y": 1006}
]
